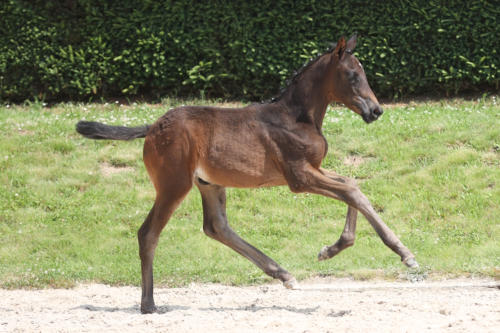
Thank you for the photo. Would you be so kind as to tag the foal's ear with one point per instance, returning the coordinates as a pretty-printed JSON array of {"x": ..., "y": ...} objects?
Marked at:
[
  {"x": 351, "y": 43},
  {"x": 339, "y": 49}
]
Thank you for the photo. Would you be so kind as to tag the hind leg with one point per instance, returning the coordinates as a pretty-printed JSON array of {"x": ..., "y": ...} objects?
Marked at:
[
  {"x": 169, "y": 195},
  {"x": 215, "y": 225}
]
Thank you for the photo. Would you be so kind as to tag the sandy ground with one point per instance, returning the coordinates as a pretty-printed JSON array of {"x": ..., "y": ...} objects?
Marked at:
[{"x": 322, "y": 305}]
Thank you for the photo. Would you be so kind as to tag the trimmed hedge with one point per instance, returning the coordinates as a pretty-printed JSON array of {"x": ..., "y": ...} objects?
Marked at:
[{"x": 82, "y": 49}]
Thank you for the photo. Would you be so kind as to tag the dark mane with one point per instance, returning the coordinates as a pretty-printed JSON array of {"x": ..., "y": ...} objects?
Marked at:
[{"x": 290, "y": 81}]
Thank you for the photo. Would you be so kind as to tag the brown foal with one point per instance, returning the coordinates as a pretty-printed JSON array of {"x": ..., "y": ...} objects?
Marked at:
[{"x": 269, "y": 144}]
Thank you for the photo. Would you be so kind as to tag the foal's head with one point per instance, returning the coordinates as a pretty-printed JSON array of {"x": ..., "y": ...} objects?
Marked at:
[{"x": 349, "y": 84}]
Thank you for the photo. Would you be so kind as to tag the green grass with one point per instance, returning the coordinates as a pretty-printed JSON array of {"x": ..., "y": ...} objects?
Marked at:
[{"x": 70, "y": 207}]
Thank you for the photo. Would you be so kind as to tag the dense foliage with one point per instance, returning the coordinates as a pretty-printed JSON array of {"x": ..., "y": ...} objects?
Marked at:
[{"x": 81, "y": 49}]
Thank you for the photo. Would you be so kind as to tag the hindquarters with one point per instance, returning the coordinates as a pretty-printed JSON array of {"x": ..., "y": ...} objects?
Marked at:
[{"x": 169, "y": 157}]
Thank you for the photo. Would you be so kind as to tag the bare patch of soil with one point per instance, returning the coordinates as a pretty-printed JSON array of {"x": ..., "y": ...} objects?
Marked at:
[
  {"x": 355, "y": 160},
  {"x": 108, "y": 169}
]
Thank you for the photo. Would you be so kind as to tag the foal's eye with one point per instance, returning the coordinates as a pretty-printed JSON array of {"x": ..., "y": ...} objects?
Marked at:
[{"x": 353, "y": 77}]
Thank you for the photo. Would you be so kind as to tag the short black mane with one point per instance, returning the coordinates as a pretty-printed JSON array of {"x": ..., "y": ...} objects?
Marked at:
[{"x": 289, "y": 82}]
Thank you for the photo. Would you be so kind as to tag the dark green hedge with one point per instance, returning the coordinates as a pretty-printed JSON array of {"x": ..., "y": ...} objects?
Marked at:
[{"x": 81, "y": 49}]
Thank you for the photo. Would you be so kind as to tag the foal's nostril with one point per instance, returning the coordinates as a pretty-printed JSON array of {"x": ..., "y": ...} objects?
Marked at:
[{"x": 378, "y": 111}]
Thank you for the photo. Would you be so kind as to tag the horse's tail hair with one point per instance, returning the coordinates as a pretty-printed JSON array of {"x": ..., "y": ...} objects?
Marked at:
[{"x": 99, "y": 131}]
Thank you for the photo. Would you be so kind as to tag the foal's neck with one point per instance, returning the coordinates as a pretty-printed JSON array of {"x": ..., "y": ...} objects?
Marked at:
[{"x": 307, "y": 96}]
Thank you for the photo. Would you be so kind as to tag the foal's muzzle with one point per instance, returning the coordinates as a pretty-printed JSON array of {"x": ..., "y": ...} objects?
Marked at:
[{"x": 372, "y": 113}]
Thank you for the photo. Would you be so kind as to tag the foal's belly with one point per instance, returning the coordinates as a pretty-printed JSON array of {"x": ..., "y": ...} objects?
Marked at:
[
  {"x": 242, "y": 170},
  {"x": 235, "y": 178}
]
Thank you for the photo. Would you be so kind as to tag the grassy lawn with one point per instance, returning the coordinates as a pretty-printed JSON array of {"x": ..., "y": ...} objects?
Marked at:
[{"x": 70, "y": 207}]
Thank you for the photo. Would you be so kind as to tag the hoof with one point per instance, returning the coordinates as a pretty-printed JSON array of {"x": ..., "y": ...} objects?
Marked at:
[
  {"x": 411, "y": 262},
  {"x": 323, "y": 254},
  {"x": 291, "y": 284},
  {"x": 148, "y": 309}
]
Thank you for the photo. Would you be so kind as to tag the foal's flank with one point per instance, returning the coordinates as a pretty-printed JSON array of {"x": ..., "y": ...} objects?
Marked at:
[{"x": 268, "y": 144}]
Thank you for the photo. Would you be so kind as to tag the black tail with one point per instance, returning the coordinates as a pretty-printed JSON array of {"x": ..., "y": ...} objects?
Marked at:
[{"x": 99, "y": 131}]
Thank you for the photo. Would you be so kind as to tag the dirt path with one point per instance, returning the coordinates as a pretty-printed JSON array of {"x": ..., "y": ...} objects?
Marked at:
[{"x": 322, "y": 305}]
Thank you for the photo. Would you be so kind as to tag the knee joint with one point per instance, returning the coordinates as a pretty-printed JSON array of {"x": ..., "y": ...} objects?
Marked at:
[
  {"x": 214, "y": 228},
  {"x": 354, "y": 197},
  {"x": 209, "y": 230},
  {"x": 297, "y": 186}
]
